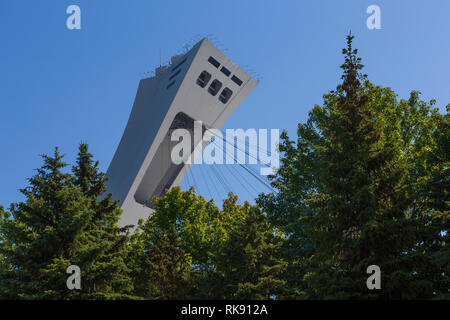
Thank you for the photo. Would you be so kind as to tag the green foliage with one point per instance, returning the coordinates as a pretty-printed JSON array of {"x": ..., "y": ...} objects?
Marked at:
[
  {"x": 63, "y": 223},
  {"x": 190, "y": 249},
  {"x": 163, "y": 269},
  {"x": 354, "y": 190},
  {"x": 198, "y": 222},
  {"x": 431, "y": 178},
  {"x": 366, "y": 182},
  {"x": 248, "y": 264},
  {"x": 164, "y": 245}
]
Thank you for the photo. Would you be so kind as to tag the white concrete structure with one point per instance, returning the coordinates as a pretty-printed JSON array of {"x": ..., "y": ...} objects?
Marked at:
[{"x": 202, "y": 84}]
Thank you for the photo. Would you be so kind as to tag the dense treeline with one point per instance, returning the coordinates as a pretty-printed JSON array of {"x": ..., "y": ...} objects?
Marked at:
[{"x": 365, "y": 183}]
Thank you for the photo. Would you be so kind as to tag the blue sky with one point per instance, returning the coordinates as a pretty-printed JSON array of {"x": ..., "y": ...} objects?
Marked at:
[{"x": 59, "y": 87}]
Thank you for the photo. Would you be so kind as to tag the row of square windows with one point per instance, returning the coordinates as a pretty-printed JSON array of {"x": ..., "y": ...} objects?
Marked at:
[
  {"x": 204, "y": 78},
  {"x": 224, "y": 70},
  {"x": 176, "y": 73},
  {"x": 215, "y": 63},
  {"x": 214, "y": 87}
]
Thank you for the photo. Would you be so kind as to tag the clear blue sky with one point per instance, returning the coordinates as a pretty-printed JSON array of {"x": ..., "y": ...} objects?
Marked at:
[{"x": 59, "y": 87}]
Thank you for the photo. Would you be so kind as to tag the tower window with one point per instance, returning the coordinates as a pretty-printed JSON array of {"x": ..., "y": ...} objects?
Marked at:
[
  {"x": 236, "y": 80},
  {"x": 225, "y": 71},
  {"x": 174, "y": 75},
  {"x": 225, "y": 95},
  {"x": 203, "y": 79},
  {"x": 214, "y": 62},
  {"x": 178, "y": 65},
  {"x": 170, "y": 84},
  {"x": 215, "y": 87}
]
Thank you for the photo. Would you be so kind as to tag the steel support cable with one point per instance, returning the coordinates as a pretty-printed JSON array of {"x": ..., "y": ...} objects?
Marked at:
[
  {"x": 224, "y": 178},
  {"x": 249, "y": 170},
  {"x": 257, "y": 177},
  {"x": 219, "y": 179},
  {"x": 245, "y": 151},
  {"x": 253, "y": 195},
  {"x": 245, "y": 180},
  {"x": 255, "y": 174},
  {"x": 243, "y": 185},
  {"x": 195, "y": 181},
  {"x": 188, "y": 180},
  {"x": 243, "y": 177},
  {"x": 214, "y": 185},
  {"x": 223, "y": 184},
  {"x": 206, "y": 181},
  {"x": 255, "y": 148}
]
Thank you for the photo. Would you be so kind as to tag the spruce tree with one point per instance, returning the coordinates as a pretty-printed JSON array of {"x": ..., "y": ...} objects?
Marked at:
[
  {"x": 62, "y": 223},
  {"x": 104, "y": 244},
  {"x": 286, "y": 208},
  {"x": 352, "y": 194},
  {"x": 4, "y": 266},
  {"x": 361, "y": 216}
]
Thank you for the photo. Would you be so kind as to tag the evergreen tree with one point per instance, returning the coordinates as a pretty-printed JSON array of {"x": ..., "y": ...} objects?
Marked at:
[
  {"x": 63, "y": 223},
  {"x": 104, "y": 245},
  {"x": 286, "y": 209},
  {"x": 4, "y": 266},
  {"x": 361, "y": 207},
  {"x": 349, "y": 197}
]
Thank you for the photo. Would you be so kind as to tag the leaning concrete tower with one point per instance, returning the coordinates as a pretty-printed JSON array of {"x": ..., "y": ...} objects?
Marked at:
[{"x": 202, "y": 84}]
